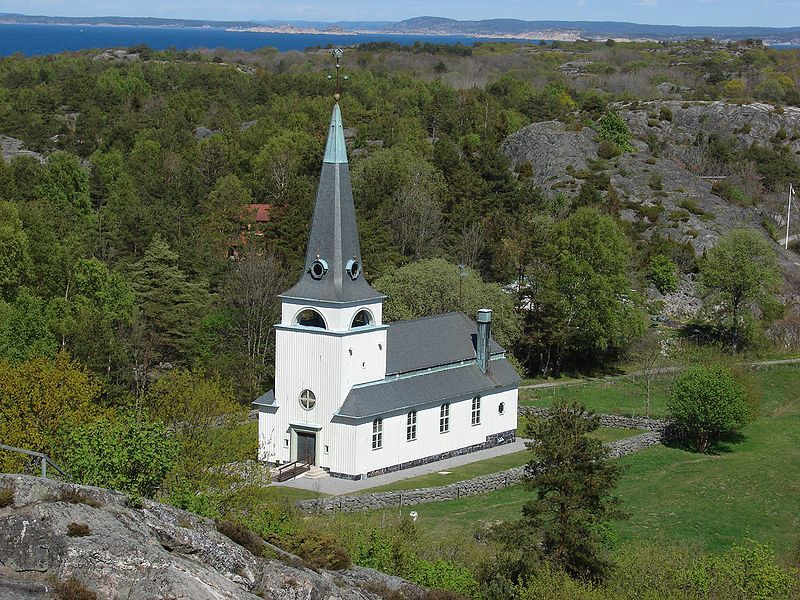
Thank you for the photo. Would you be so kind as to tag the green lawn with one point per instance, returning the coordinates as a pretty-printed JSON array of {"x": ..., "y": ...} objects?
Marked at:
[
  {"x": 613, "y": 396},
  {"x": 749, "y": 490},
  {"x": 484, "y": 467}
]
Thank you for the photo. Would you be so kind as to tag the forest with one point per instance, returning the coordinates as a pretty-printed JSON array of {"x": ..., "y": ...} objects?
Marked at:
[{"x": 138, "y": 291}]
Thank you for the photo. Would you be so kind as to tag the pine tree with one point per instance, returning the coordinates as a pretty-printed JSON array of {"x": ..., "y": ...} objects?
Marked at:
[
  {"x": 169, "y": 305},
  {"x": 572, "y": 486}
]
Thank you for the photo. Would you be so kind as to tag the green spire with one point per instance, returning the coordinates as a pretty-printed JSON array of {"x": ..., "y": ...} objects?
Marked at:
[{"x": 335, "y": 150}]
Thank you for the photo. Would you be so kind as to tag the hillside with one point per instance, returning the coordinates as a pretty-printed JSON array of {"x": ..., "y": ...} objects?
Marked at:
[
  {"x": 155, "y": 551},
  {"x": 659, "y": 187}
]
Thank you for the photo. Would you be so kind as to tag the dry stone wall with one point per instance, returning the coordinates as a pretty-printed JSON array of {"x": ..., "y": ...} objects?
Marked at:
[
  {"x": 615, "y": 421},
  {"x": 461, "y": 489}
]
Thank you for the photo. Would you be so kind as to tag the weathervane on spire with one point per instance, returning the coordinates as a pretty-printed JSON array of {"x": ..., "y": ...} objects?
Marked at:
[{"x": 338, "y": 53}]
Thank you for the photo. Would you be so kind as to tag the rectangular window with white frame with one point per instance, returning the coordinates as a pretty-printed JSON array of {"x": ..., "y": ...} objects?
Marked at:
[
  {"x": 444, "y": 418},
  {"x": 476, "y": 410},
  {"x": 411, "y": 426},
  {"x": 377, "y": 434}
]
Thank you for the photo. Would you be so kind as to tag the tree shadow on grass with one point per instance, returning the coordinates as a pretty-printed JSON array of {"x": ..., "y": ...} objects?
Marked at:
[{"x": 680, "y": 440}]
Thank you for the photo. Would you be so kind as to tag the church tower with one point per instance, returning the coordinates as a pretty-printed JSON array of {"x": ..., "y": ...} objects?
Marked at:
[{"x": 331, "y": 334}]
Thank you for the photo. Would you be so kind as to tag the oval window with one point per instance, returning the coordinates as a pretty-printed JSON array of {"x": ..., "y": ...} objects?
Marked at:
[
  {"x": 502, "y": 408},
  {"x": 310, "y": 318},
  {"x": 307, "y": 399},
  {"x": 363, "y": 318}
]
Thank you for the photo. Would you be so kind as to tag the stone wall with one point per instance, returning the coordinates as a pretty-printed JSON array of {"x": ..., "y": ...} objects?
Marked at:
[
  {"x": 615, "y": 421},
  {"x": 454, "y": 491}
]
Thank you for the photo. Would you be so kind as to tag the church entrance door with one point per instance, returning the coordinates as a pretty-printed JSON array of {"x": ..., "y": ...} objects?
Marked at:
[{"x": 307, "y": 447}]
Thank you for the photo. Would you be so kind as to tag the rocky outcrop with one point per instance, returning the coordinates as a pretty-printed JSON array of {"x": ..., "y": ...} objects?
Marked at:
[
  {"x": 11, "y": 148},
  {"x": 658, "y": 194},
  {"x": 155, "y": 551},
  {"x": 748, "y": 124},
  {"x": 116, "y": 54}
]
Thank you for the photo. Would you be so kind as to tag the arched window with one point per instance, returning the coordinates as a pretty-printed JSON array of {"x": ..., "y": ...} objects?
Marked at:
[
  {"x": 310, "y": 318},
  {"x": 307, "y": 399},
  {"x": 363, "y": 318}
]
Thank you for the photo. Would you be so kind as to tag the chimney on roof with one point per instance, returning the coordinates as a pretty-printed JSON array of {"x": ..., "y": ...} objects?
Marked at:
[{"x": 484, "y": 333}]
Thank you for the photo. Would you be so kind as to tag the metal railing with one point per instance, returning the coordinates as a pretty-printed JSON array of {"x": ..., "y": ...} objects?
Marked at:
[
  {"x": 292, "y": 470},
  {"x": 44, "y": 460}
]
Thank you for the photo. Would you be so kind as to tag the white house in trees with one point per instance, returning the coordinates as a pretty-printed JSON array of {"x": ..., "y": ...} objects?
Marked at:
[{"x": 358, "y": 397}]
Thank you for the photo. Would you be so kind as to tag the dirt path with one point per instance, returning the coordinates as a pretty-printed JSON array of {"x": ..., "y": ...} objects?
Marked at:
[{"x": 571, "y": 382}]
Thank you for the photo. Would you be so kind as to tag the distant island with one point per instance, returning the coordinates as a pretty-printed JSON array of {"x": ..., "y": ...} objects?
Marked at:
[{"x": 433, "y": 26}]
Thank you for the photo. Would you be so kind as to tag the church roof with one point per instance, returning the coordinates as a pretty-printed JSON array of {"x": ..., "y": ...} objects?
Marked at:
[
  {"x": 432, "y": 342},
  {"x": 436, "y": 387},
  {"x": 333, "y": 242}
]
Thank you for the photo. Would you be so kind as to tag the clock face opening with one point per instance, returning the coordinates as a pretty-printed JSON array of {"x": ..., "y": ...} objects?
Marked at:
[
  {"x": 318, "y": 268},
  {"x": 353, "y": 268}
]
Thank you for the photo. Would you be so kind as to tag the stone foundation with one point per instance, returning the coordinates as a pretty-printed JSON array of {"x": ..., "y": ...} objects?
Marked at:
[{"x": 496, "y": 439}]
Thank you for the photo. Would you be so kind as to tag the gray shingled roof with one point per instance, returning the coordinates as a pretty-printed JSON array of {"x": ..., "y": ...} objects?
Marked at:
[
  {"x": 334, "y": 235},
  {"x": 267, "y": 399},
  {"x": 432, "y": 342},
  {"x": 392, "y": 395}
]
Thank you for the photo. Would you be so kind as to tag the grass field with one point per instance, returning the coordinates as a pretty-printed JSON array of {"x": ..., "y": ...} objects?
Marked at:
[
  {"x": 614, "y": 396},
  {"x": 750, "y": 489}
]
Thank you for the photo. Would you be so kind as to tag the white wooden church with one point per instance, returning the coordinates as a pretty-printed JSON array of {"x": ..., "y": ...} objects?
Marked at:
[{"x": 358, "y": 397}]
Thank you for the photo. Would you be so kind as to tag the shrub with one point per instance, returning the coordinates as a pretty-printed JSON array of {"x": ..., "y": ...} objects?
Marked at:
[
  {"x": 652, "y": 212},
  {"x": 6, "y": 497},
  {"x": 707, "y": 403},
  {"x": 72, "y": 589},
  {"x": 665, "y": 114},
  {"x": 691, "y": 205},
  {"x": 614, "y": 129},
  {"x": 78, "y": 530},
  {"x": 242, "y": 536},
  {"x": 608, "y": 150},
  {"x": 129, "y": 453},
  {"x": 321, "y": 551},
  {"x": 656, "y": 181},
  {"x": 662, "y": 272},
  {"x": 731, "y": 193}
]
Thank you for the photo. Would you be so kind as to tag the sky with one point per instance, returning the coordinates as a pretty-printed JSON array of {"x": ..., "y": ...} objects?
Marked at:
[{"x": 774, "y": 13}]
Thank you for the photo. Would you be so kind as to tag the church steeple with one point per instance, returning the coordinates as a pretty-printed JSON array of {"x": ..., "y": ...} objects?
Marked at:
[{"x": 333, "y": 267}]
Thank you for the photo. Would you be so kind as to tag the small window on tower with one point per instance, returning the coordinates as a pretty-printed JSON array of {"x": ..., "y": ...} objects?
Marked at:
[
  {"x": 310, "y": 318},
  {"x": 363, "y": 318}
]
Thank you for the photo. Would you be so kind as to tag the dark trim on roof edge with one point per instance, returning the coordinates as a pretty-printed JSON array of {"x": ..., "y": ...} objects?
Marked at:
[{"x": 404, "y": 409}]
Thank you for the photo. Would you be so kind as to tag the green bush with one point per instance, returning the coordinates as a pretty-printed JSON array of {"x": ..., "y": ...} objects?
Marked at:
[
  {"x": 731, "y": 193},
  {"x": 6, "y": 497},
  {"x": 707, "y": 403},
  {"x": 691, "y": 205},
  {"x": 614, "y": 129},
  {"x": 663, "y": 273},
  {"x": 321, "y": 551},
  {"x": 665, "y": 114},
  {"x": 127, "y": 453}
]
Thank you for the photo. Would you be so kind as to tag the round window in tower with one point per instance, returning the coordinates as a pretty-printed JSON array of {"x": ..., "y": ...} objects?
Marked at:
[
  {"x": 318, "y": 268},
  {"x": 307, "y": 399},
  {"x": 353, "y": 268},
  {"x": 501, "y": 408}
]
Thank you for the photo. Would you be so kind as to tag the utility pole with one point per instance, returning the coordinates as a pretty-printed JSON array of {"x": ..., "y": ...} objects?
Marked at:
[{"x": 788, "y": 215}]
